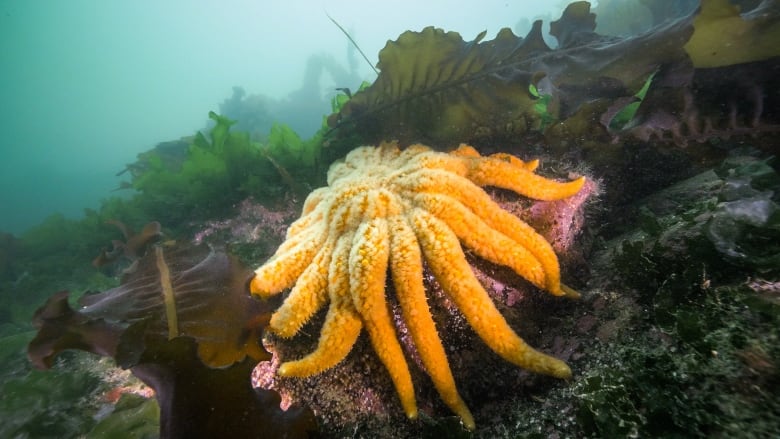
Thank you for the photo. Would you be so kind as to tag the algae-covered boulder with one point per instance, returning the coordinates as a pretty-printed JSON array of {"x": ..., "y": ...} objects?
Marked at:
[{"x": 689, "y": 312}]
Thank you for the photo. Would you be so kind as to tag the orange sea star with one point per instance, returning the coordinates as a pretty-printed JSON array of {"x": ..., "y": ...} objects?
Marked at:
[{"x": 386, "y": 206}]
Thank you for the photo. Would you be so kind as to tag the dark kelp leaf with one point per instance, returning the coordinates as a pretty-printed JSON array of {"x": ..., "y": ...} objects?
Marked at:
[
  {"x": 693, "y": 105},
  {"x": 197, "y": 401},
  {"x": 200, "y": 367},
  {"x": 134, "y": 245},
  {"x": 212, "y": 303},
  {"x": 576, "y": 26},
  {"x": 437, "y": 89},
  {"x": 60, "y": 328},
  {"x": 434, "y": 87}
]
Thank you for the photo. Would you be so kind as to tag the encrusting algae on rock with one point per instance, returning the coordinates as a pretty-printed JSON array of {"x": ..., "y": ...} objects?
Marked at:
[{"x": 385, "y": 207}]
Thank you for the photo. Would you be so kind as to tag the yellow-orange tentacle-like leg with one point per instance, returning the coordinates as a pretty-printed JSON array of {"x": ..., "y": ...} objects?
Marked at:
[
  {"x": 477, "y": 200},
  {"x": 368, "y": 262},
  {"x": 507, "y": 175},
  {"x": 284, "y": 267},
  {"x": 339, "y": 333},
  {"x": 486, "y": 242},
  {"x": 469, "y": 151},
  {"x": 308, "y": 296},
  {"x": 342, "y": 324},
  {"x": 446, "y": 260},
  {"x": 406, "y": 266}
]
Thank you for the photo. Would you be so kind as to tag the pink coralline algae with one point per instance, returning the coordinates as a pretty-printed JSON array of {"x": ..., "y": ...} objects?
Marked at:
[
  {"x": 253, "y": 223},
  {"x": 564, "y": 218}
]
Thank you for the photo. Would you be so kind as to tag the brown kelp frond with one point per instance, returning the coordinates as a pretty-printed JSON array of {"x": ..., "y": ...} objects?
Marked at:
[
  {"x": 190, "y": 291},
  {"x": 437, "y": 88},
  {"x": 185, "y": 324},
  {"x": 133, "y": 247}
]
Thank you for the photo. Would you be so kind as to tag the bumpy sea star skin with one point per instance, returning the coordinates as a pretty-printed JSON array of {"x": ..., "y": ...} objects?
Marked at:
[{"x": 386, "y": 207}]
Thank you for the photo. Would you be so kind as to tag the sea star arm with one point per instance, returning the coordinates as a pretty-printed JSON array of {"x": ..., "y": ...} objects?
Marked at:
[
  {"x": 368, "y": 262},
  {"x": 287, "y": 264},
  {"x": 312, "y": 215},
  {"x": 300, "y": 226},
  {"x": 479, "y": 202},
  {"x": 308, "y": 296},
  {"x": 339, "y": 333},
  {"x": 342, "y": 324},
  {"x": 447, "y": 262},
  {"x": 469, "y": 151},
  {"x": 486, "y": 242},
  {"x": 310, "y": 291},
  {"x": 304, "y": 239},
  {"x": 531, "y": 166},
  {"x": 313, "y": 200},
  {"x": 491, "y": 171},
  {"x": 406, "y": 267},
  {"x": 519, "y": 231}
]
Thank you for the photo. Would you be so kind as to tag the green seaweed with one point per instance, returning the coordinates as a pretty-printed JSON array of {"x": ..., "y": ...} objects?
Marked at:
[
  {"x": 223, "y": 168},
  {"x": 335, "y": 147},
  {"x": 133, "y": 417},
  {"x": 341, "y": 98},
  {"x": 12, "y": 348},
  {"x": 289, "y": 150},
  {"x": 542, "y": 107},
  {"x": 626, "y": 114},
  {"x": 693, "y": 381},
  {"x": 52, "y": 404}
]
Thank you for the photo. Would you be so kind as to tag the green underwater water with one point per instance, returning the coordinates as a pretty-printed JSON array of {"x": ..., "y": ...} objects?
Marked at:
[{"x": 695, "y": 350}]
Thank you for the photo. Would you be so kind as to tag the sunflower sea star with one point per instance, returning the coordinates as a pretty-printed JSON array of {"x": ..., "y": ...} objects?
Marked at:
[{"x": 386, "y": 206}]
